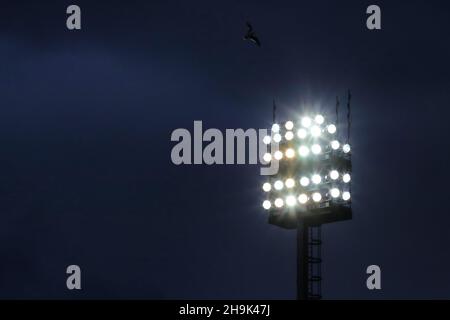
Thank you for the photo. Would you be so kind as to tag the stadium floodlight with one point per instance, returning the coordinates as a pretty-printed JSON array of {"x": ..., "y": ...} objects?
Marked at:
[
  {"x": 289, "y": 135},
  {"x": 303, "y": 151},
  {"x": 316, "y": 148},
  {"x": 316, "y": 179},
  {"x": 346, "y": 148},
  {"x": 304, "y": 181},
  {"x": 278, "y": 155},
  {"x": 316, "y": 196},
  {"x": 331, "y": 129},
  {"x": 267, "y": 205},
  {"x": 316, "y": 131},
  {"x": 267, "y": 187},
  {"x": 275, "y": 128},
  {"x": 346, "y": 178},
  {"x": 319, "y": 119},
  {"x": 289, "y": 125},
  {"x": 303, "y": 198},
  {"x": 334, "y": 174},
  {"x": 335, "y": 145},
  {"x": 267, "y": 157},
  {"x": 278, "y": 185},
  {"x": 306, "y": 122},
  {"x": 277, "y": 137},
  {"x": 313, "y": 184},
  {"x": 302, "y": 133},
  {"x": 290, "y": 153},
  {"x": 335, "y": 192}
]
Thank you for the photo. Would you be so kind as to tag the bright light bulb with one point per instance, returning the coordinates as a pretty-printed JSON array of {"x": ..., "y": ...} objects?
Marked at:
[
  {"x": 289, "y": 135},
  {"x": 316, "y": 179},
  {"x": 316, "y": 149},
  {"x": 267, "y": 157},
  {"x": 278, "y": 155},
  {"x": 303, "y": 151},
  {"x": 301, "y": 133},
  {"x": 346, "y": 195},
  {"x": 289, "y": 125},
  {"x": 275, "y": 127},
  {"x": 334, "y": 174},
  {"x": 290, "y": 153},
  {"x": 277, "y": 137},
  {"x": 290, "y": 183},
  {"x": 346, "y": 178},
  {"x": 316, "y": 196},
  {"x": 291, "y": 201},
  {"x": 279, "y": 203},
  {"x": 335, "y": 192},
  {"x": 346, "y": 148},
  {"x": 278, "y": 185},
  {"x": 335, "y": 144},
  {"x": 319, "y": 119},
  {"x": 303, "y": 198},
  {"x": 306, "y": 122},
  {"x": 304, "y": 181},
  {"x": 315, "y": 131},
  {"x": 267, "y": 204},
  {"x": 267, "y": 140},
  {"x": 267, "y": 187},
  {"x": 331, "y": 129}
]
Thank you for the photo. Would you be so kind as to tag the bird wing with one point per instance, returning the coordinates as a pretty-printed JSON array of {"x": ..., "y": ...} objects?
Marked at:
[{"x": 249, "y": 26}]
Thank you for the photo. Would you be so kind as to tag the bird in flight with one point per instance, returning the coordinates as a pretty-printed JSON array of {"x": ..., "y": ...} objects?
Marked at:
[{"x": 251, "y": 36}]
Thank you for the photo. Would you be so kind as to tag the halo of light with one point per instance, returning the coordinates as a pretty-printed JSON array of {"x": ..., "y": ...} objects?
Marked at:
[
  {"x": 267, "y": 157},
  {"x": 291, "y": 201},
  {"x": 316, "y": 148},
  {"x": 278, "y": 185},
  {"x": 267, "y": 204},
  {"x": 289, "y": 135},
  {"x": 289, "y": 125},
  {"x": 334, "y": 174},
  {"x": 335, "y": 145},
  {"x": 346, "y": 178},
  {"x": 267, "y": 187},
  {"x": 316, "y": 179},
  {"x": 302, "y": 133},
  {"x": 278, "y": 155},
  {"x": 290, "y": 153},
  {"x": 277, "y": 137},
  {"x": 304, "y": 181},
  {"x": 316, "y": 196},
  {"x": 331, "y": 129},
  {"x": 303, "y": 151},
  {"x": 275, "y": 127},
  {"x": 346, "y": 148},
  {"x": 306, "y": 122},
  {"x": 303, "y": 198},
  {"x": 319, "y": 119},
  {"x": 335, "y": 192},
  {"x": 316, "y": 131},
  {"x": 267, "y": 140},
  {"x": 290, "y": 183},
  {"x": 279, "y": 202},
  {"x": 346, "y": 195}
]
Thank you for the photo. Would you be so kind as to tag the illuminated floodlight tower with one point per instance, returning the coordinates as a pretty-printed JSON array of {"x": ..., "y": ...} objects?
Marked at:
[{"x": 312, "y": 187}]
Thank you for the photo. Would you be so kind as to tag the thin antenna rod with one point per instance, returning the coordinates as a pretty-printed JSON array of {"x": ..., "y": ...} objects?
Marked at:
[
  {"x": 337, "y": 111},
  {"x": 349, "y": 119},
  {"x": 274, "y": 111}
]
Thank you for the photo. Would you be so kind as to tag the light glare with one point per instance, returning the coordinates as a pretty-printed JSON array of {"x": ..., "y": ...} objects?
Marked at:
[
  {"x": 331, "y": 129},
  {"x": 316, "y": 131},
  {"x": 303, "y": 198},
  {"x": 306, "y": 122},
  {"x": 334, "y": 174},
  {"x": 316, "y": 149},
  {"x": 289, "y": 135},
  {"x": 275, "y": 127},
  {"x": 290, "y": 183},
  {"x": 346, "y": 195},
  {"x": 317, "y": 196},
  {"x": 304, "y": 181},
  {"x": 277, "y": 137},
  {"x": 278, "y": 155},
  {"x": 290, "y": 153},
  {"x": 278, "y": 185},
  {"x": 316, "y": 179},
  {"x": 303, "y": 151},
  {"x": 289, "y": 125},
  {"x": 291, "y": 201},
  {"x": 346, "y": 178},
  {"x": 335, "y": 144},
  {"x": 279, "y": 203},
  {"x": 301, "y": 133},
  {"x": 267, "y": 187},
  {"x": 267, "y": 140},
  {"x": 319, "y": 119},
  {"x": 335, "y": 192}
]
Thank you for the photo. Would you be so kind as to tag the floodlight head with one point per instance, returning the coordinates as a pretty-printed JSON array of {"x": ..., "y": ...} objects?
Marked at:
[
  {"x": 275, "y": 127},
  {"x": 319, "y": 119},
  {"x": 306, "y": 122},
  {"x": 289, "y": 125},
  {"x": 331, "y": 129}
]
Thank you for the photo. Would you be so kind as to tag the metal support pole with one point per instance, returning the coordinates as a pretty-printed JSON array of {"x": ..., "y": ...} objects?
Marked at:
[{"x": 302, "y": 259}]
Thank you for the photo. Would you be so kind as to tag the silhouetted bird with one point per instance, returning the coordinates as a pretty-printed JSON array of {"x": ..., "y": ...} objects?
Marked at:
[{"x": 251, "y": 35}]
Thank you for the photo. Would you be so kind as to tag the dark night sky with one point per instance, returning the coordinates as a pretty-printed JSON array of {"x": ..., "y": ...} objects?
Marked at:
[{"x": 85, "y": 124}]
